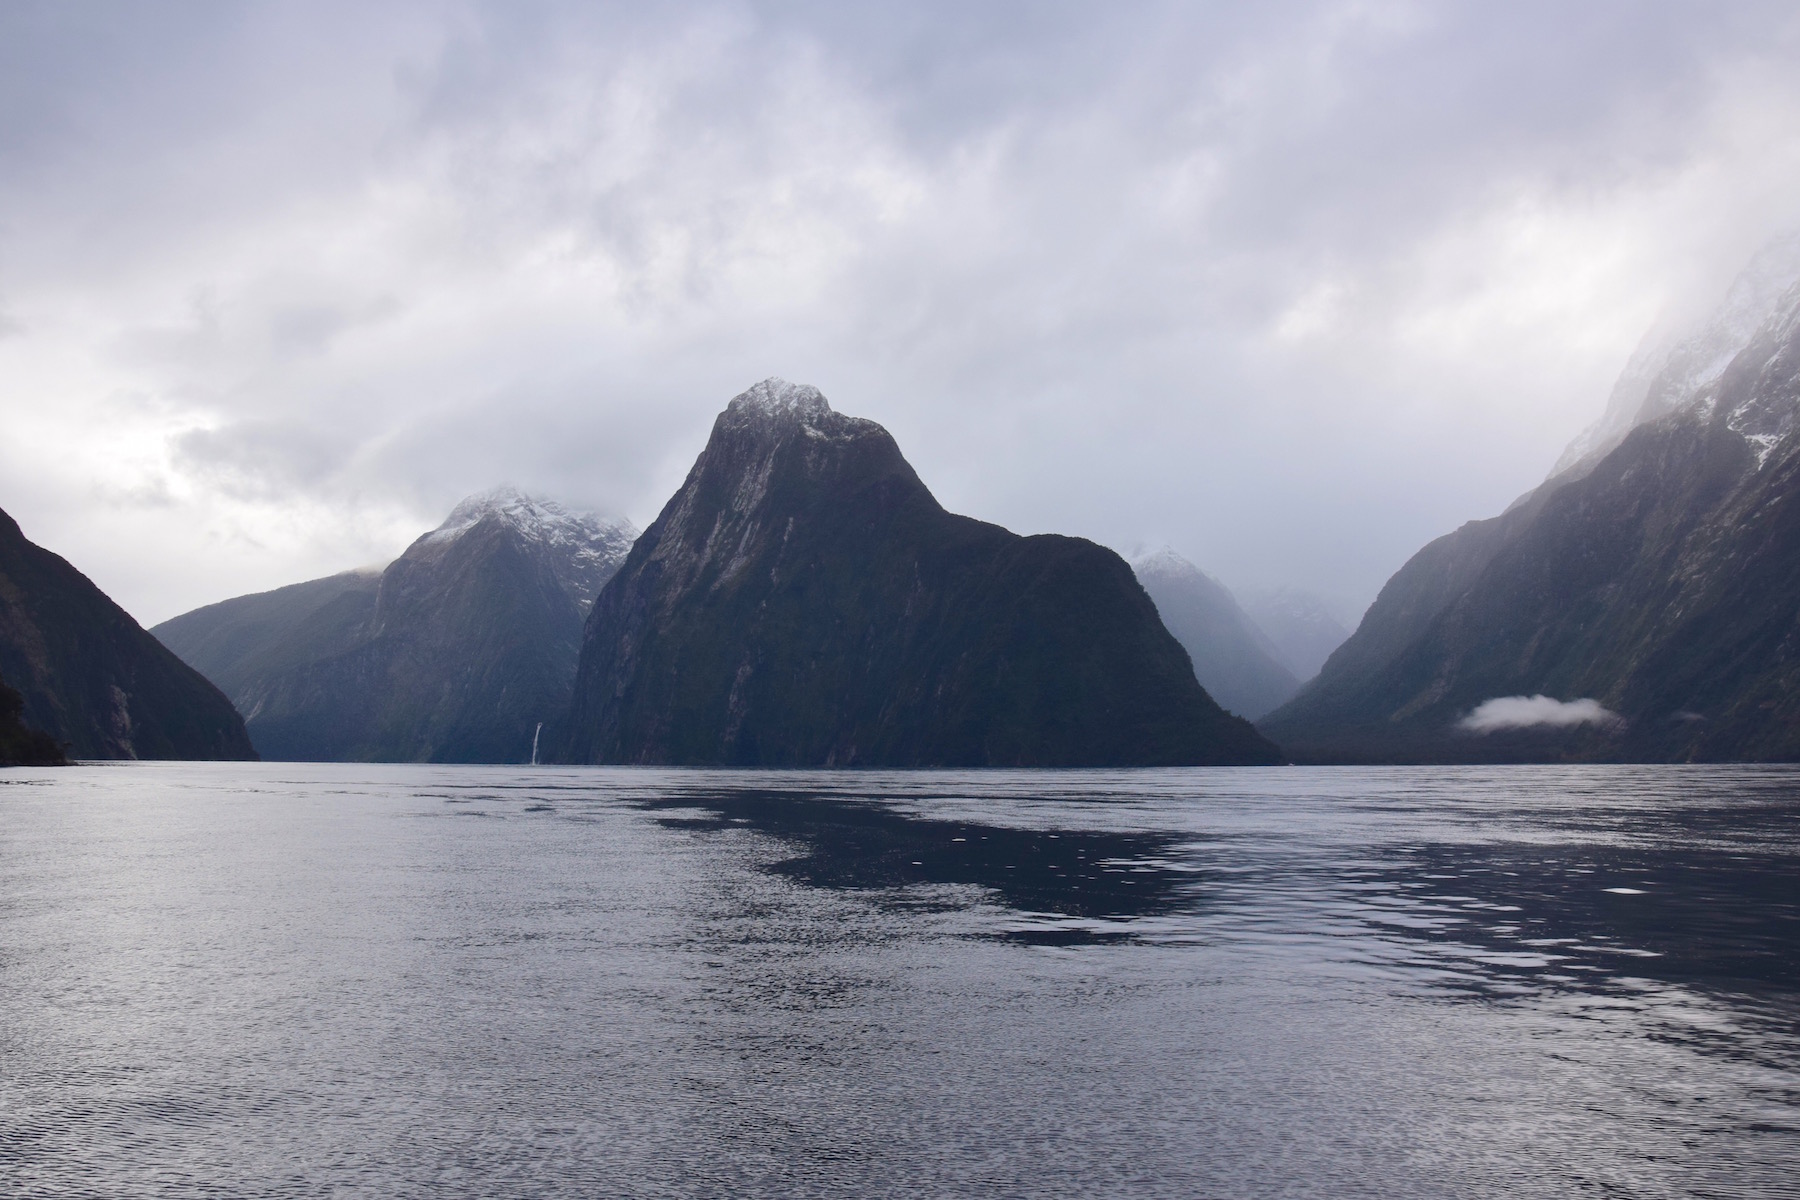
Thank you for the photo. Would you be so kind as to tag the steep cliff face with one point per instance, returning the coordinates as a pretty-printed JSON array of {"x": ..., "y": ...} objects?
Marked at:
[
  {"x": 1660, "y": 580},
  {"x": 803, "y": 600},
  {"x": 456, "y": 652},
  {"x": 91, "y": 678},
  {"x": 21, "y": 745},
  {"x": 1233, "y": 659}
]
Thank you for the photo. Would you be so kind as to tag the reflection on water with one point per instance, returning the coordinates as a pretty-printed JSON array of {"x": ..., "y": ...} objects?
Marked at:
[
  {"x": 280, "y": 980},
  {"x": 1090, "y": 882},
  {"x": 1661, "y": 896}
]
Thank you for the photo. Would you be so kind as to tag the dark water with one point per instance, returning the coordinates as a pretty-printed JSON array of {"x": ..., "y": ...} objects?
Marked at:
[{"x": 414, "y": 981}]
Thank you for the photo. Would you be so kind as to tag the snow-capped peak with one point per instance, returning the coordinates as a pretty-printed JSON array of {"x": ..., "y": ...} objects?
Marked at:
[
  {"x": 1163, "y": 561},
  {"x": 536, "y": 518},
  {"x": 584, "y": 548},
  {"x": 778, "y": 398}
]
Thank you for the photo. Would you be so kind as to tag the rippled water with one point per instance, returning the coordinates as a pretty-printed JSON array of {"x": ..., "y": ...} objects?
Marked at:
[{"x": 416, "y": 981}]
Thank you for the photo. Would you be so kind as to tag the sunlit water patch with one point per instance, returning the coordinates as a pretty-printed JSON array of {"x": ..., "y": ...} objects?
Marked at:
[{"x": 281, "y": 980}]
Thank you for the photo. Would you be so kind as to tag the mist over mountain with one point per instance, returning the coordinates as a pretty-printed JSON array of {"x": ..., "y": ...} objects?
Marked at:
[
  {"x": 1233, "y": 659},
  {"x": 455, "y": 652},
  {"x": 803, "y": 600},
  {"x": 1641, "y": 604},
  {"x": 1303, "y": 627},
  {"x": 89, "y": 677},
  {"x": 1671, "y": 365}
]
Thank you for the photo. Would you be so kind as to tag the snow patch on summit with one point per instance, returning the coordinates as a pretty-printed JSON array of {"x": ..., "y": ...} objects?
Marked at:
[
  {"x": 1165, "y": 562},
  {"x": 540, "y": 520},
  {"x": 776, "y": 397},
  {"x": 585, "y": 547}
]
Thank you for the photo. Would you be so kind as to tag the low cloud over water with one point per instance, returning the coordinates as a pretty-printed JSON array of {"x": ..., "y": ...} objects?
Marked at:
[{"x": 1537, "y": 712}]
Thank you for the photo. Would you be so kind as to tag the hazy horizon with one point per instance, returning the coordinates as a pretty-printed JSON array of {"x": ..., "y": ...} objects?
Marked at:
[{"x": 1292, "y": 290}]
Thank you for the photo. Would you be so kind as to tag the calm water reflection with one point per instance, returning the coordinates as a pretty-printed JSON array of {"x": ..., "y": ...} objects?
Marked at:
[{"x": 400, "y": 981}]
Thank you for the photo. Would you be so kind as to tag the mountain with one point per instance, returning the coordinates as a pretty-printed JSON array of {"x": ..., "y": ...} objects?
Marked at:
[
  {"x": 455, "y": 652},
  {"x": 1671, "y": 366},
  {"x": 1640, "y": 605},
  {"x": 88, "y": 675},
  {"x": 803, "y": 600},
  {"x": 21, "y": 745},
  {"x": 238, "y": 643},
  {"x": 1302, "y": 627},
  {"x": 1234, "y": 660}
]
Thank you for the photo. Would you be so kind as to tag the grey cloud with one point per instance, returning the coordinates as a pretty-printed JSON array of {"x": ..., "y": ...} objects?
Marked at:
[
  {"x": 264, "y": 460},
  {"x": 1291, "y": 287}
]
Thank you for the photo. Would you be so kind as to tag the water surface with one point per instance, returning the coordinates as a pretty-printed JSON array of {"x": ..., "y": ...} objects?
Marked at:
[{"x": 285, "y": 980}]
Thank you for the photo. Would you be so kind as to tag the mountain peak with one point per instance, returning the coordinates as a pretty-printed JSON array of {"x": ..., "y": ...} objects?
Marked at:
[
  {"x": 1232, "y": 659},
  {"x": 583, "y": 548},
  {"x": 773, "y": 412},
  {"x": 776, "y": 397},
  {"x": 504, "y": 501},
  {"x": 803, "y": 600},
  {"x": 1164, "y": 561},
  {"x": 538, "y": 519}
]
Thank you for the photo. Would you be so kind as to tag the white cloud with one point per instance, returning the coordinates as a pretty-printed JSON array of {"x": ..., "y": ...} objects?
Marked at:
[{"x": 1536, "y": 712}]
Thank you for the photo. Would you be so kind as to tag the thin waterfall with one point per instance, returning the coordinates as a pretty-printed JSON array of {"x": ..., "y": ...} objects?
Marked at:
[{"x": 534, "y": 739}]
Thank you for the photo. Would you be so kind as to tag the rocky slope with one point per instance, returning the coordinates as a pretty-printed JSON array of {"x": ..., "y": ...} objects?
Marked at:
[
  {"x": 803, "y": 600},
  {"x": 1233, "y": 659},
  {"x": 454, "y": 653},
  {"x": 1657, "y": 581},
  {"x": 91, "y": 678}
]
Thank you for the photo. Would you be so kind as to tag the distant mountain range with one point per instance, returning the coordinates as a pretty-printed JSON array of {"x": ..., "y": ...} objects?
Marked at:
[
  {"x": 1234, "y": 660},
  {"x": 1642, "y": 604},
  {"x": 1304, "y": 628},
  {"x": 803, "y": 600},
  {"x": 89, "y": 678},
  {"x": 455, "y": 652}
]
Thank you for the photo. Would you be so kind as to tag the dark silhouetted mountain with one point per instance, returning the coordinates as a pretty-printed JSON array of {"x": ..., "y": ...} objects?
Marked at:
[
  {"x": 454, "y": 653},
  {"x": 803, "y": 600},
  {"x": 1302, "y": 627},
  {"x": 21, "y": 745},
  {"x": 91, "y": 678},
  {"x": 1233, "y": 659},
  {"x": 1659, "y": 582}
]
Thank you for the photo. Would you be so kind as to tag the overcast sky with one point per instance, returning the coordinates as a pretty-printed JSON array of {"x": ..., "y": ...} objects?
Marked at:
[{"x": 1293, "y": 288}]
